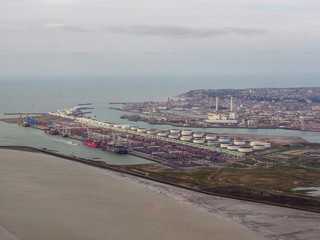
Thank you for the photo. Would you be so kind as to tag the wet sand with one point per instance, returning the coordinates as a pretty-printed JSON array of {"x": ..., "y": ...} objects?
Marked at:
[
  {"x": 45, "y": 197},
  {"x": 270, "y": 222}
]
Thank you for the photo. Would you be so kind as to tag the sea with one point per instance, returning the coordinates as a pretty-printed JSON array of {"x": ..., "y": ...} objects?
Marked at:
[{"x": 50, "y": 93}]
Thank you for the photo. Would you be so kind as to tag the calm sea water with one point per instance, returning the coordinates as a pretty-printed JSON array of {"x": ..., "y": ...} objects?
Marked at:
[{"x": 52, "y": 93}]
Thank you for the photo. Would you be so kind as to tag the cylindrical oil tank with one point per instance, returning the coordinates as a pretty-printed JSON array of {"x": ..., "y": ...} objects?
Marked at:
[
  {"x": 245, "y": 149},
  {"x": 198, "y": 134},
  {"x": 152, "y": 131},
  {"x": 224, "y": 145},
  {"x": 134, "y": 128},
  {"x": 174, "y": 131},
  {"x": 198, "y": 140},
  {"x": 186, "y": 132},
  {"x": 141, "y": 130},
  {"x": 239, "y": 142},
  {"x": 259, "y": 147},
  {"x": 254, "y": 143},
  {"x": 213, "y": 143},
  {"x": 186, "y": 138},
  {"x": 224, "y": 139},
  {"x": 211, "y": 137},
  {"x": 117, "y": 125},
  {"x": 266, "y": 144},
  {"x": 232, "y": 147},
  {"x": 174, "y": 136},
  {"x": 163, "y": 133},
  {"x": 126, "y": 127}
]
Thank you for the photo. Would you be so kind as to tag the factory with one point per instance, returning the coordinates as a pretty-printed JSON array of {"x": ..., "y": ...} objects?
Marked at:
[{"x": 217, "y": 118}]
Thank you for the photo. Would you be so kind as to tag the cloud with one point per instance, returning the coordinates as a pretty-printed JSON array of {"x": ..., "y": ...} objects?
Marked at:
[
  {"x": 169, "y": 31},
  {"x": 66, "y": 28},
  {"x": 158, "y": 53},
  {"x": 173, "y": 31}
]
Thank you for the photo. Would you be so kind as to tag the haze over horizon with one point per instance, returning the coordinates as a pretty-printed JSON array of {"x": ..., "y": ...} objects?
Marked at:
[{"x": 137, "y": 37}]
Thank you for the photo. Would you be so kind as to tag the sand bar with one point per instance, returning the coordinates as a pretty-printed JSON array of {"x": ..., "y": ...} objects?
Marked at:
[{"x": 44, "y": 197}]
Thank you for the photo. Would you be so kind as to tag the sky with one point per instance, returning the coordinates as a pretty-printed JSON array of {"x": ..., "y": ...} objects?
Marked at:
[{"x": 134, "y": 37}]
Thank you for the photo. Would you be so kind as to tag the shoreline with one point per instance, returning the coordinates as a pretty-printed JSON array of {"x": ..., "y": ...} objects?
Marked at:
[
  {"x": 14, "y": 121},
  {"x": 250, "y": 215},
  {"x": 188, "y": 186},
  {"x": 277, "y": 139}
]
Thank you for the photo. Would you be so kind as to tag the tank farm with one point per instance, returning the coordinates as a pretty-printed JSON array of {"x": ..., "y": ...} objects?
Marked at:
[{"x": 173, "y": 148}]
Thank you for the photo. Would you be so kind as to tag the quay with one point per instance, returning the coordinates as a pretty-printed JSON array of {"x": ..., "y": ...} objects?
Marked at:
[{"x": 96, "y": 123}]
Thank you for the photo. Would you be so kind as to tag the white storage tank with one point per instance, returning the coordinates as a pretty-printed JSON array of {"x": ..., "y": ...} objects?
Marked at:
[
  {"x": 245, "y": 149},
  {"x": 126, "y": 127},
  {"x": 198, "y": 134},
  {"x": 134, "y": 128},
  {"x": 258, "y": 147},
  {"x": 239, "y": 142},
  {"x": 254, "y": 143},
  {"x": 152, "y": 131},
  {"x": 224, "y": 139},
  {"x": 224, "y": 145},
  {"x": 213, "y": 143},
  {"x": 211, "y": 137},
  {"x": 266, "y": 144},
  {"x": 198, "y": 140},
  {"x": 232, "y": 147},
  {"x": 186, "y": 132},
  {"x": 174, "y": 131},
  {"x": 186, "y": 138},
  {"x": 174, "y": 136},
  {"x": 141, "y": 130},
  {"x": 117, "y": 125},
  {"x": 162, "y": 133}
]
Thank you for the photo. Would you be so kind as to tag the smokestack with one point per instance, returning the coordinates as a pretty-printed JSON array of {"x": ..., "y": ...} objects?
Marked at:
[
  {"x": 231, "y": 104},
  {"x": 217, "y": 108}
]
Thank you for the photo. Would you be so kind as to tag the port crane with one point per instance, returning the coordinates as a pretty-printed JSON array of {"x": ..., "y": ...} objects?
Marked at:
[{"x": 26, "y": 119}]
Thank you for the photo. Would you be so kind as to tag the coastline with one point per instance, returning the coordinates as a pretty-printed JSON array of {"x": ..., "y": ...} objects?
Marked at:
[
  {"x": 15, "y": 121},
  {"x": 297, "y": 225},
  {"x": 304, "y": 203}
]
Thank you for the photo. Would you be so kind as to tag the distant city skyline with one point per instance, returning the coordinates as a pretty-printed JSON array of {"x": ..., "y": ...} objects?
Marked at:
[{"x": 108, "y": 37}]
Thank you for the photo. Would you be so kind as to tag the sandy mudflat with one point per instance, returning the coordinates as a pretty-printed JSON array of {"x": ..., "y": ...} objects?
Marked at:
[{"x": 44, "y": 197}]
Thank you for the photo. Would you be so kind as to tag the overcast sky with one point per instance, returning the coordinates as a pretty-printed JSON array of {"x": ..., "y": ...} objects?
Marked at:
[{"x": 110, "y": 37}]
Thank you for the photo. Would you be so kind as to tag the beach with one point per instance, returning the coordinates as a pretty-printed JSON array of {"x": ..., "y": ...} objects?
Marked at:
[{"x": 45, "y": 197}]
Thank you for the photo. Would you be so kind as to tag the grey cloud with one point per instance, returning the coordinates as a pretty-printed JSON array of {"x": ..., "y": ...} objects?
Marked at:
[
  {"x": 55, "y": 45},
  {"x": 67, "y": 28},
  {"x": 74, "y": 29},
  {"x": 172, "y": 31},
  {"x": 271, "y": 53},
  {"x": 155, "y": 53}
]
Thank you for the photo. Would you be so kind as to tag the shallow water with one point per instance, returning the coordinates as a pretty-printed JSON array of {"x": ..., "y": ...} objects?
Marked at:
[{"x": 44, "y": 197}]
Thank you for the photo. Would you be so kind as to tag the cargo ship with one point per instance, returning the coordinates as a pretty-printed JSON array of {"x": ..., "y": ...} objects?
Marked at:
[
  {"x": 52, "y": 131},
  {"x": 92, "y": 143},
  {"x": 115, "y": 148}
]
